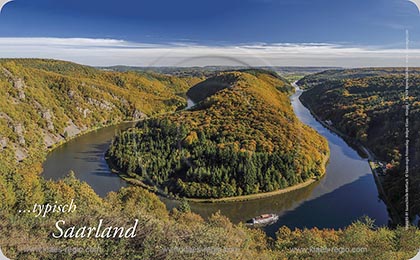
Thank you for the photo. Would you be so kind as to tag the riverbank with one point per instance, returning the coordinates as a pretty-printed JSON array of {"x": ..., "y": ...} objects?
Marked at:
[
  {"x": 89, "y": 130},
  {"x": 256, "y": 196},
  {"x": 135, "y": 181},
  {"x": 362, "y": 150},
  {"x": 379, "y": 183},
  {"x": 265, "y": 194}
]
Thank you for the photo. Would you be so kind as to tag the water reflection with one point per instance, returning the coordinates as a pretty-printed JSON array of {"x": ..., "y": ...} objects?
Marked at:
[
  {"x": 334, "y": 209},
  {"x": 241, "y": 211}
]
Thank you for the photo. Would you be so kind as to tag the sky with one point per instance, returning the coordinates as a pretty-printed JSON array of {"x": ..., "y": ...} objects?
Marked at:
[{"x": 351, "y": 33}]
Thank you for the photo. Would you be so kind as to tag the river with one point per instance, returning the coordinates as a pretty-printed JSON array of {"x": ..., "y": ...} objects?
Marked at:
[
  {"x": 346, "y": 193},
  {"x": 85, "y": 155}
]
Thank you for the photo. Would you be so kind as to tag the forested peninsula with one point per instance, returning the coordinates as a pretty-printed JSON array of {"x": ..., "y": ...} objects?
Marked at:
[{"x": 241, "y": 138}]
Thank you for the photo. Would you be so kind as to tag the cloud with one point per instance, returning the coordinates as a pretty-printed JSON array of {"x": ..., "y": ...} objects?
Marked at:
[{"x": 105, "y": 52}]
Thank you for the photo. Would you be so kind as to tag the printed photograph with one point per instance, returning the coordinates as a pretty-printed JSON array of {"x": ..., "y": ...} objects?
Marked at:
[{"x": 222, "y": 129}]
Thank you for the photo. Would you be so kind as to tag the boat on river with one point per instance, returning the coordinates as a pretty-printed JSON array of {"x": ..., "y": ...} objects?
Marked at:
[{"x": 263, "y": 220}]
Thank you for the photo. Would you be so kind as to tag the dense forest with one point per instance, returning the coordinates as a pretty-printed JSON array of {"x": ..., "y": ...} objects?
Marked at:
[
  {"x": 177, "y": 234},
  {"x": 369, "y": 105},
  {"x": 241, "y": 138},
  {"x": 45, "y": 102}
]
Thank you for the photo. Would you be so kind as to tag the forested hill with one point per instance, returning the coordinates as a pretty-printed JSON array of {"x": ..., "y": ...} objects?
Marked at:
[
  {"x": 348, "y": 74},
  {"x": 44, "y": 102},
  {"x": 242, "y": 138},
  {"x": 225, "y": 80},
  {"x": 368, "y": 105}
]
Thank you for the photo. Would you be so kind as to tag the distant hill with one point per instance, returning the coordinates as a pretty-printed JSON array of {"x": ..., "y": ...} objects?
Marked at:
[
  {"x": 338, "y": 74},
  {"x": 209, "y": 71},
  {"x": 210, "y": 87},
  {"x": 241, "y": 138}
]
